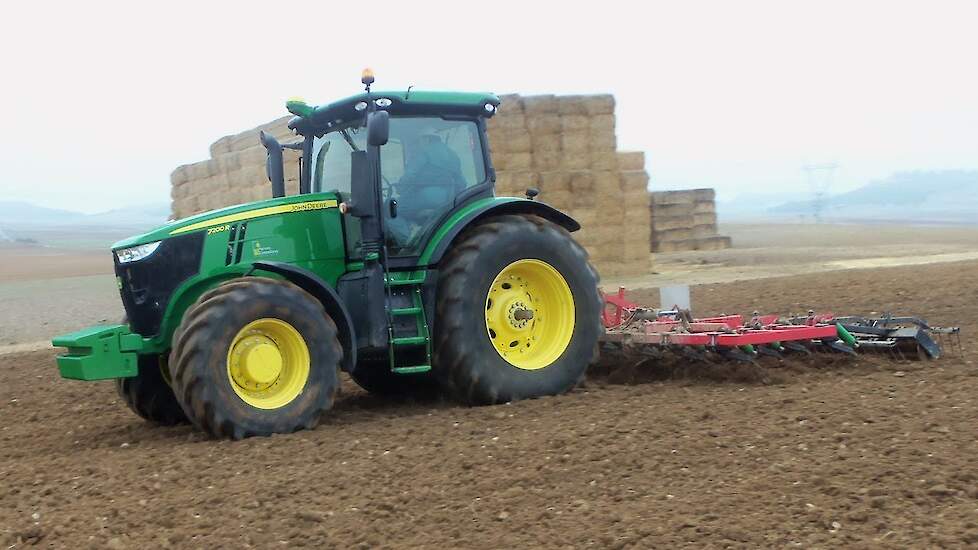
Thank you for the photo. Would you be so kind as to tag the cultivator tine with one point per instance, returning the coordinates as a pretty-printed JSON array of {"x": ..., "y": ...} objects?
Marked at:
[
  {"x": 769, "y": 351},
  {"x": 839, "y": 346},
  {"x": 796, "y": 347},
  {"x": 736, "y": 354},
  {"x": 694, "y": 354}
]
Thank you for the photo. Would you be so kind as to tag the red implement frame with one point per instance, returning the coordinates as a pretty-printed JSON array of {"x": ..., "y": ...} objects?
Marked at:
[{"x": 722, "y": 331}]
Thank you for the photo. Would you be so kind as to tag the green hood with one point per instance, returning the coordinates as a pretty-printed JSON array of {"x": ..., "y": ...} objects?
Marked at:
[{"x": 201, "y": 222}]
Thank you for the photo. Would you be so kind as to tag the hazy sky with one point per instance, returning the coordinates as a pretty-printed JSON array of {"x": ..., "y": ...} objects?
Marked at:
[{"x": 101, "y": 100}]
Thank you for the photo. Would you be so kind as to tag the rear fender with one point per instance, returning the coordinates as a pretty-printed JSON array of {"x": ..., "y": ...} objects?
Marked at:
[{"x": 486, "y": 208}]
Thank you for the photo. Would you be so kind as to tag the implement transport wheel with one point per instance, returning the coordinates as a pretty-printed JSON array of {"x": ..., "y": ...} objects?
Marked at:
[
  {"x": 374, "y": 375},
  {"x": 255, "y": 356},
  {"x": 518, "y": 312},
  {"x": 149, "y": 395}
]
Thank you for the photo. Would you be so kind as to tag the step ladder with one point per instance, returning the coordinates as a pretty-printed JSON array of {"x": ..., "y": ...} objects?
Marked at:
[{"x": 411, "y": 281}]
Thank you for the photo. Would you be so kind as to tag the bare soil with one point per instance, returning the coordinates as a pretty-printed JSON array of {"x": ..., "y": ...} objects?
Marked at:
[{"x": 829, "y": 452}]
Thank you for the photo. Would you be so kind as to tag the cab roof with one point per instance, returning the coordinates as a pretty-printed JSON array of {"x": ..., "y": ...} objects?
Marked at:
[{"x": 402, "y": 102}]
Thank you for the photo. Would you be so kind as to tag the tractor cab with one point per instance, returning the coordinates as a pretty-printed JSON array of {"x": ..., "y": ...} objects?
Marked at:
[
  {"x": 434, "y": 159},
  {"x": 427, "y": 167}
]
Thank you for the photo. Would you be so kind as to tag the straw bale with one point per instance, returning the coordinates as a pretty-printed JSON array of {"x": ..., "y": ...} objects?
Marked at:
[
  {"x": 703, "y": 219},
  {"x": 632, "y": 160},
  {"x": 603, "y": 160},
  {"x": 673, "y": 197},
  {"x": 252, "y": 156},
  {"x": 540, "y": 104},
  {"x": 515, "y": 182},
  {"x": 561, "y": 200},
  {"x": 667, "y": 223},
  {"x": 513, "y": 141},
  {"x": 634, "y": 179},
  {"x": 558, "y": 181},
  {"x": 603, "y": 104},
  {"x": 702, "y": 231},
  {"x": 545, "y": 143},
  {"x": 513, "y": 161},
  {"x": 606, "y": 182},
  {"x": 602, "y": 123},
  {"x": 581, "y": 181},
  {"x": 570, "y": 123},
  {"x": 671, "y": 235},
  {"x": 714, "y": 243},
  {"x": 704, "y": 207},
  {"x": 180, "y": 175},
  {"x": 674, "y": 246},
  {"x": 572, "y": 104},
  {"x": 221, "y": 147},
  {"x": 544, "y": 161},
  {"x": 602, "y": 140},
  {"x": 576, "y": 142},
  {"x": 543, "y": 125},
  {"x": 670, "y": 210},
  {"x": 506, "y": 120},
  {"x": 510, "y": 103},
  {"x": 570, "y": 160}
]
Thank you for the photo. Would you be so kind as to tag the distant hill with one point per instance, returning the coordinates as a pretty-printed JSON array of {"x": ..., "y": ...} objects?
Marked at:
[
  {"x": 19, "y": 215},
  {"x": 937, "y": 196},
  {"x": 26, "y": 224}
]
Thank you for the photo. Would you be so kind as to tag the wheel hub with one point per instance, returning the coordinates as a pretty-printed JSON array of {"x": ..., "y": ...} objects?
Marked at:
[
  {"x": 529, "y": 314},
  {"x": 268, "y": 363}
]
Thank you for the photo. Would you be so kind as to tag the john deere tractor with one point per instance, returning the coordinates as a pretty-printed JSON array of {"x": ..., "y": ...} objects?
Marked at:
[{"x": 395, "y": 262}]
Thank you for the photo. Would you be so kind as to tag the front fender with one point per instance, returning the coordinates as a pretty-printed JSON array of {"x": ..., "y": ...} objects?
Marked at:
[{"x": 485, "y": 208}]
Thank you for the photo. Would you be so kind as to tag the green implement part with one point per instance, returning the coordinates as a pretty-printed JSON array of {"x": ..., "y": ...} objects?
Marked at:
[
  {"x": 846, "y": 336},
  {"x": 99, "y": 353}
]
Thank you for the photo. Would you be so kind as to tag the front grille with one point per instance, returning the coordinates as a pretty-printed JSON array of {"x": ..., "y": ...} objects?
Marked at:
[{"x": 148, "y": 284}]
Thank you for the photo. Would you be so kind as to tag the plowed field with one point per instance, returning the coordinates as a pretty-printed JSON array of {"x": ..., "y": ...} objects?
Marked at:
[{"x": 824, "y": 452}]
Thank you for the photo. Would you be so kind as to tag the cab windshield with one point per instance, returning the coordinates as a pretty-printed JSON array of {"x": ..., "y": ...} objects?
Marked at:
[{"x": 426, "y": 164}]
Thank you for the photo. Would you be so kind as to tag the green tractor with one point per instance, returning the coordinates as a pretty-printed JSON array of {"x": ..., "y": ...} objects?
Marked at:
[{"x": 395, "y": 262}]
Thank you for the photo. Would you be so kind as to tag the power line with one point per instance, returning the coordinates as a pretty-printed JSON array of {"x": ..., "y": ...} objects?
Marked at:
[{"x": 819, "y": 181}]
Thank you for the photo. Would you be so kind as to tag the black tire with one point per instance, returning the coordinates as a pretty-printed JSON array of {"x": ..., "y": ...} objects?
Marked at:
[
  {"x": 465, "y": 360},
  {"x": 374, "y": 375},
  {"x": 199, "y": 361},
  {"x": 149, "y": 395}
]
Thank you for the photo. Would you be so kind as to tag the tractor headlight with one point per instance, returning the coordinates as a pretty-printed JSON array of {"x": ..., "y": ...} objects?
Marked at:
[{"x": 135, "y": 253}]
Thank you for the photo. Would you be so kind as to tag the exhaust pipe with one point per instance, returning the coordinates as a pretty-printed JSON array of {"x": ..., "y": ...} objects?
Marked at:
[{"x": 274, "y": 164}]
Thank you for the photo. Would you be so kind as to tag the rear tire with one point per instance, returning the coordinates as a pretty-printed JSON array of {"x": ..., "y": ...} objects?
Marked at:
[
  {"x": 255, "y": 356},
  {"x": 149, "y": 395},
  {"x": 486, "y": 354}
]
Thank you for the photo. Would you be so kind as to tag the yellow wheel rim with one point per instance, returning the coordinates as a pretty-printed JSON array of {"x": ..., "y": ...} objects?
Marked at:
[
  {"x": 530, "y": 314},
  {"x": 268, "y": 363}
]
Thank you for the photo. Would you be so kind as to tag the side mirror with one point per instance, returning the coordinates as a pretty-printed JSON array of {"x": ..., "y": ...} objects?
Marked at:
[{"x": 378, "y": 128}]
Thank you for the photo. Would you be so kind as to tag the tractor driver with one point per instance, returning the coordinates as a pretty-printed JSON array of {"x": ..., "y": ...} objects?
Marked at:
[{"x": 431, "y": 181}]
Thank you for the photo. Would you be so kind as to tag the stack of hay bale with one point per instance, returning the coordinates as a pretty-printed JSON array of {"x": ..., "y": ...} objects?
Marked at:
[
  {"x": 563, "y": 145},
  {"x": 234, "y": 174},
  {"x": 685, "y": 220}
]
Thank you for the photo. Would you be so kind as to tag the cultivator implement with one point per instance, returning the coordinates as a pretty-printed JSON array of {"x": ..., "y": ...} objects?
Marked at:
[{"x": 653, "y": 332}]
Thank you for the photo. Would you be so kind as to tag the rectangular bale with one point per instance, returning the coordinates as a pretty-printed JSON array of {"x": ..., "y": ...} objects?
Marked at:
[
  {"x": 543, "y": 125},
  {"x": 603, "y": 104},
  {"x": 705, "y": 219},
  {"x": 540, "y": 105},
  {"x": 631, "y": 160}
]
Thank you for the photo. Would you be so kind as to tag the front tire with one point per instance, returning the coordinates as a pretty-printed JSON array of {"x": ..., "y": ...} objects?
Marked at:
[
  {"x": 149, "y": 395},
  {"x": 255, "y": 356},
  {"x": 518, "y": 312}
]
